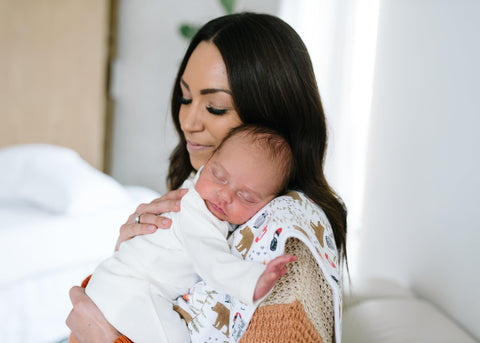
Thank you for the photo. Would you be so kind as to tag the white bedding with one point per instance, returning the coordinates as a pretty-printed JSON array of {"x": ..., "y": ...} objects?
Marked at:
[{"x": 52, "y": 234}]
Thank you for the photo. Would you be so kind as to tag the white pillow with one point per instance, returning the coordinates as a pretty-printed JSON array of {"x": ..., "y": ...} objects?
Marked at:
[{"x": 56, "y": 179}]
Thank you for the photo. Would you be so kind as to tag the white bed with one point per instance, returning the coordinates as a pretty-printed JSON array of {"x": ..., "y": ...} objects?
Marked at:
[{"x": 58, "y": 218}]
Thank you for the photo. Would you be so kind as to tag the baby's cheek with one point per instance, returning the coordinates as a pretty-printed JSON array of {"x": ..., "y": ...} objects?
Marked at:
[
  {"x": 241, "y": 214},
  {"x": 201, "y": 187}
]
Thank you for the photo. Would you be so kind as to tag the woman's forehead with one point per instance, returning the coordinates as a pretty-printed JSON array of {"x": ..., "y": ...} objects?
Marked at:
[{"x": 206, "y": 69}]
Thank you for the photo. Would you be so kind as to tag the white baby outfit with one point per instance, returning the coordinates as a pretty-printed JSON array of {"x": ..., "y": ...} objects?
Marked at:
[{"x": 136, "y": 287}]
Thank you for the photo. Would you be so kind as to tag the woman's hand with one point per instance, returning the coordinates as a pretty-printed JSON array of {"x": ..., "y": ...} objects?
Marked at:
[
  {"x": 87, "y": 322},
  {"x": 148, "y": 219}
]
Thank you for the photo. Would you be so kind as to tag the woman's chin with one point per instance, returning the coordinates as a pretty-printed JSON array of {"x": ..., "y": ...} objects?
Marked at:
[{"x": 198, "y": 160}]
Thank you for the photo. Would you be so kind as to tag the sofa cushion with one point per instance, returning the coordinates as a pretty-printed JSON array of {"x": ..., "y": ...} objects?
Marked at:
[{"x": 399, "y": 320}]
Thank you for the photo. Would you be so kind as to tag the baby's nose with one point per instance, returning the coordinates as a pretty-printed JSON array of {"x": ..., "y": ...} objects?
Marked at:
[{"x": 225, "y": 195}]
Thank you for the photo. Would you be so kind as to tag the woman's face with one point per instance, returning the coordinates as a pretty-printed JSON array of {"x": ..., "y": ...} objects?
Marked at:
[{"x": 207, "y": 112}]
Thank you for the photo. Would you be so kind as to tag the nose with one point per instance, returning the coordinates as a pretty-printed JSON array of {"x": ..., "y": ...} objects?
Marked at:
[
  {"x": 225, "y": 194},
  {"x": 191, "y": 118}
]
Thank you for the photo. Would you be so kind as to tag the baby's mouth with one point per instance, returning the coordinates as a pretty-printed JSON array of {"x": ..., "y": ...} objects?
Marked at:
[{"x": 216, "y": 208}]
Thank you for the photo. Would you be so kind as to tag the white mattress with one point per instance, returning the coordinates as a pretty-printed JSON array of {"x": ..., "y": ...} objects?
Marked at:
[
  {"x": 34, "y": 242},
  {"x": 59, "y": 217},
  {"x": 42, "y": 256}
]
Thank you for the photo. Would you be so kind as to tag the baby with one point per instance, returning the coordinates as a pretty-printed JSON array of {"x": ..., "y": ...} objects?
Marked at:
[{"x": 136, "y": 287}]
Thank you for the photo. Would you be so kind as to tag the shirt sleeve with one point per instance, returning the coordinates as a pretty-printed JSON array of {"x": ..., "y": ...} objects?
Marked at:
[{"x": 203, "y": 237}]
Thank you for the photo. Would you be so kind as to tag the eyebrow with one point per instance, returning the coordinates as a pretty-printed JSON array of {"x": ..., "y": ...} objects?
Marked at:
[
  {"x": 214, "y": 90},
  {"x": 206, "y": 90}
]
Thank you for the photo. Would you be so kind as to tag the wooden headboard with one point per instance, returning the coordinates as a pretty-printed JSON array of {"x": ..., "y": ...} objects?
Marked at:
[{"x": 54, "y": 59}]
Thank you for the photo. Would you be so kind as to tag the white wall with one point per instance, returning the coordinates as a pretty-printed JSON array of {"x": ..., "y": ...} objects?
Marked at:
[
  {"x": 423, "y": 167},
  {"x": 150, "y": 50}
]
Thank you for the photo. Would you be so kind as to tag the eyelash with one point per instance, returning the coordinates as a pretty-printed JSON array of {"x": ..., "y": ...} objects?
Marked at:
[
  {"x": 239, "y": 194},
  {"x": 219, "y": 179},
  {"x": 212, "y": 110},
  {"x": 184, "y": 101},
  {"x": 216, "y": 111}
]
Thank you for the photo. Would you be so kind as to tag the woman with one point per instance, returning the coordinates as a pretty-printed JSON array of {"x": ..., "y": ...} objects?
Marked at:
[{"x": 246, "y": 68}]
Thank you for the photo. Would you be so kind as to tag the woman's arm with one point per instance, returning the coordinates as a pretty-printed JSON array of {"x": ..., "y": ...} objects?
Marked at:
[{"x": 150, "y": 219}]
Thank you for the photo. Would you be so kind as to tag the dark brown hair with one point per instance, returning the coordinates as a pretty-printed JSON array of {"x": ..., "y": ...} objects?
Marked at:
[{"x": 273, "y": 85}]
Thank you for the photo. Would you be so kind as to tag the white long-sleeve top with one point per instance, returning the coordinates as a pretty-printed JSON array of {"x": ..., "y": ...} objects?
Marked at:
[{"x": 135, "y": 288}]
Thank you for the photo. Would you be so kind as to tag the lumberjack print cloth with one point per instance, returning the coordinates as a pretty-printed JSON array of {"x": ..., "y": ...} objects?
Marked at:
[{"x": 215, "y": 317}]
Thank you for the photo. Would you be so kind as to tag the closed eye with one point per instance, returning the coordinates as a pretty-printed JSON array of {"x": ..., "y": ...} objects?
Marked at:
[
  {"x": 219, "y": 178},
  {"x": 247, "y": 198},
  {"x": 184, "y": 101},
  {"x": 216, "y": 111}
]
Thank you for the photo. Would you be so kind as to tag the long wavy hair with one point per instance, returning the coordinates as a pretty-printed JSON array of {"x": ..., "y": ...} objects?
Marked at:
[{"x": 273, "y": 84}]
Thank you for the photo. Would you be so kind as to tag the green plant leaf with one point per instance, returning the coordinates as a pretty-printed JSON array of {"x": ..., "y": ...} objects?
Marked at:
[
  {"x": 188, "y": 30},
  {"x": 228, "y": 5}
]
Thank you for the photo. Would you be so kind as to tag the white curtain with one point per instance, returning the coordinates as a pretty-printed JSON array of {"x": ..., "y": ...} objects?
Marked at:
[{"x": 341, "y": 38}]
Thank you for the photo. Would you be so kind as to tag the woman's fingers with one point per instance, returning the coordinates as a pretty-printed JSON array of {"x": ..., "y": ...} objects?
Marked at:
[
  {"x": 158, "y": 207},
  {"x": 147, "y": 219},
  {"x": 173, "y": 195},
  {"x": 148, "y": 223},
  {"x": 154, "y": 220},
  {"x": 170, "y": 202},
  {"x": 128, "y": 231}
]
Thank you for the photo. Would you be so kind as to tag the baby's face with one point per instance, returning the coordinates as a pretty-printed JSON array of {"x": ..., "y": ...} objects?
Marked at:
[{"x": 238, "y": 181}]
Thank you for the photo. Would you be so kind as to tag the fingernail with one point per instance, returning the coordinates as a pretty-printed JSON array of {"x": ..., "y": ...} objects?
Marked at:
[
  {"x": 165, "y": 222},
  {"x": 152, "y": 228}
]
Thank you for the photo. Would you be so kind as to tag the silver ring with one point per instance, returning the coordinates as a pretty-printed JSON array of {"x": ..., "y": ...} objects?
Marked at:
[{"x": 136, "y": 218}]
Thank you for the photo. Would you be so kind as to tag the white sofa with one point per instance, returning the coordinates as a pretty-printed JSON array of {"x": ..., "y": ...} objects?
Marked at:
[{"x": 383, "y": 311}]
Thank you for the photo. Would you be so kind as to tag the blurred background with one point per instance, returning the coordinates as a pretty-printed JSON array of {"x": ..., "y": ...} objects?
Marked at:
[{"x": 399, "y": 80}]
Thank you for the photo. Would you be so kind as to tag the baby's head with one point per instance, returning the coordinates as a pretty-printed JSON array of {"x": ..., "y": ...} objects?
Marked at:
[{"x": 249, "y": 168}]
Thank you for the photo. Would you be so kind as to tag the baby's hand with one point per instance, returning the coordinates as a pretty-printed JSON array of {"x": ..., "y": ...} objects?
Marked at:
[{"x": 276, "y": 268}]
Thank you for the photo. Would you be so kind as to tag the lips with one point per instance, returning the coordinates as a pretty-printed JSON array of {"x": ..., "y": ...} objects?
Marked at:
[
  {"x": 192, "y": 146},
  {"x": 216, "y": 210}
]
